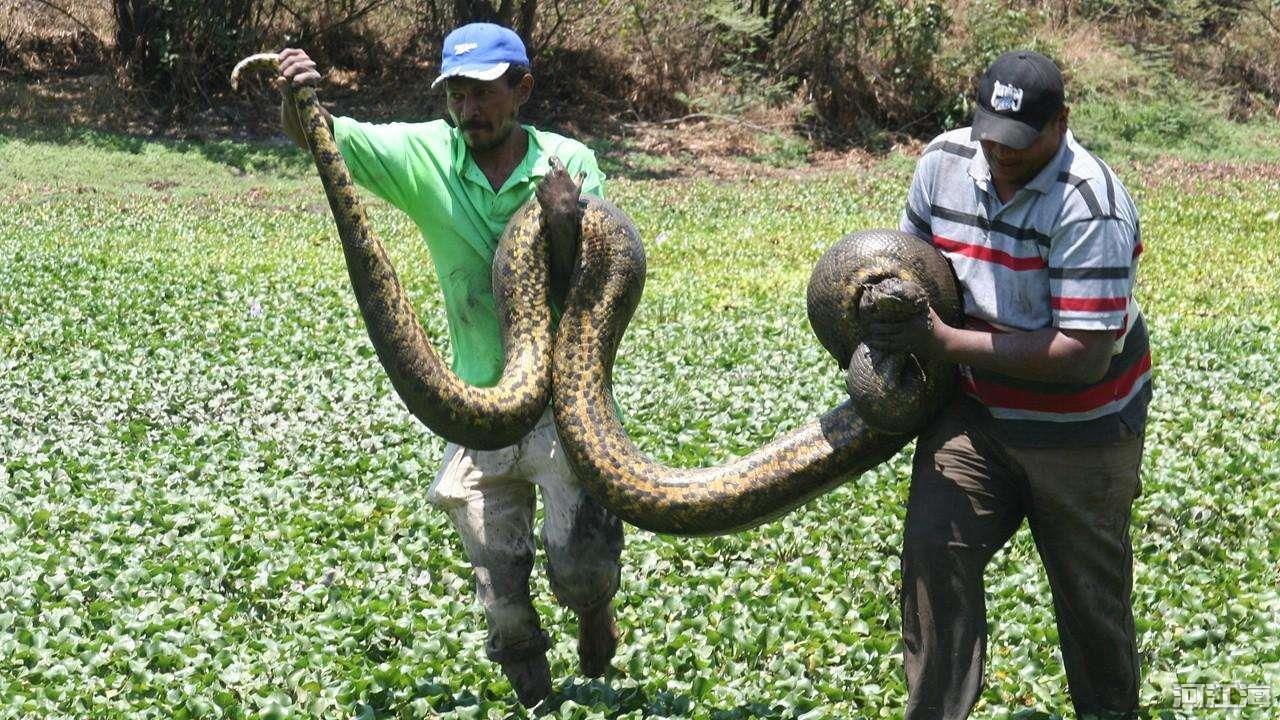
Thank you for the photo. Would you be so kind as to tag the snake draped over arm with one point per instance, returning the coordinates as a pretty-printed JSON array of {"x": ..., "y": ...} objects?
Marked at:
[{"x": 875, "y": 273}]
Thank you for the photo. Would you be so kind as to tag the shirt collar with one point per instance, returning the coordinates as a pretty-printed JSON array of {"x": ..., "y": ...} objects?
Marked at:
[
  {"x": 978, "y": 168},
  {"x": 534, "y": 166},
  {"x": 541, "y": 164}
]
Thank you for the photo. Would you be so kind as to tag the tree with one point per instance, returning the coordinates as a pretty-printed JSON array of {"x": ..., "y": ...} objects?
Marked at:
[
  {"x": 519, "y": 15},
  {"x": 177, "y": 51},
  {"x": 777, "y": 14}
]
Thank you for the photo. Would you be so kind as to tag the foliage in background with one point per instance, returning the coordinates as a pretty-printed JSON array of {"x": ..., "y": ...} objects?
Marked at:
[
  {"x": 868, "y": 64},
  {"x": 167, "y": 47},
  {"x": 864, "y": 72},
  {"x": 1228, "y": 48}
]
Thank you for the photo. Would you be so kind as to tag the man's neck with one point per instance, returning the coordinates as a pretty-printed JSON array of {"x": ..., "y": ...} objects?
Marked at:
[
  {"x": 1005, "y": 190},
  {"x": 498, "y": 163}
]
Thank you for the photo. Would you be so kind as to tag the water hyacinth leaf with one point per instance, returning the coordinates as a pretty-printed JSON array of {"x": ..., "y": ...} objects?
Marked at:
[{"x": 217, "y": 510}]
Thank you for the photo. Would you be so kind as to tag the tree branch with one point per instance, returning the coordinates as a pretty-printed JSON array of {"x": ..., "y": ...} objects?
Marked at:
[
  {"x": 69, "y": 16},
  {"x": 1265, "y": 13},
  {"x": 355, "y": 15},
  {"x": 710, "y": 116}
]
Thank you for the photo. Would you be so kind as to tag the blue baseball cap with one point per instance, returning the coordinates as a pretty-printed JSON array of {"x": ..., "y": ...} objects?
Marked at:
[{"x": 481, "y": 51}]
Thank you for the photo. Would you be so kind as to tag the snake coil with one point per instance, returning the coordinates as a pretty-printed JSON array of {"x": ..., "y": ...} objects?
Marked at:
[{"x": 872, "y": 272}]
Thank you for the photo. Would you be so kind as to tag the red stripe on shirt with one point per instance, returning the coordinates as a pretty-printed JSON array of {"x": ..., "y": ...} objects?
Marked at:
[
  {"x": 1000, "y": 396},
  {"x": 1091, "y": 304},
  {"x": 1124, "y": 326},
  {"x": 991, "y": 255}
]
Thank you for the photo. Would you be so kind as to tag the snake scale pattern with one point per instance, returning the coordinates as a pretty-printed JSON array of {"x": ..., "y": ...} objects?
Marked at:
[{"x": 873, "y": 273}]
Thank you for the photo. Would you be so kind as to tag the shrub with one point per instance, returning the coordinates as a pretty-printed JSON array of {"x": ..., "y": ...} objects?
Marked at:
[
  {"x": 866, "y": 65},
  {"x": 175, "y": 51}
]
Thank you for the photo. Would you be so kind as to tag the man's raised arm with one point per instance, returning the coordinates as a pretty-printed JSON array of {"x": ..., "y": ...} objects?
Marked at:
[{"x": 299, "y": 70}]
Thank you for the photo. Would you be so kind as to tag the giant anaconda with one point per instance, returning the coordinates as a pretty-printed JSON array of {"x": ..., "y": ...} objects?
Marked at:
[
  {"x": 879, "y": 272},
  {"x": 481, "y": 418},
  {"x": 873, "y": 271}
]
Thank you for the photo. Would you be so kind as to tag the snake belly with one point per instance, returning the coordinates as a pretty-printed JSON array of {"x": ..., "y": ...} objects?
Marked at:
[
  {"x": 786, "y": 472},
  {"x": 474, "y": 417}
]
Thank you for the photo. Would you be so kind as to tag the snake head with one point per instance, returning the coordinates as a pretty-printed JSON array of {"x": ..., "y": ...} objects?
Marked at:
[{"x": 892, "y": 300}]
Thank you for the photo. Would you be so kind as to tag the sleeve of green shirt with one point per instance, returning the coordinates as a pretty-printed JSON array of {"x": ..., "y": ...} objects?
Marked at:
[
  {"x": 577, "y": 159},
  {"x": 380, "y": 157}
]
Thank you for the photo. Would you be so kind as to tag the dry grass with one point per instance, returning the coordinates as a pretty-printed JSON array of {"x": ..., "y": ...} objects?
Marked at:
[
  {"x": 21, "y": 19},
  {"x": 1090, "y": 60}
]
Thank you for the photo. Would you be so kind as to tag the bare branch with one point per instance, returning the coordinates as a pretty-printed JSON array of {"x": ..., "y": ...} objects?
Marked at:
[
  {"x": 68, "y": 15},
  {"x": 354, "y": 16},
  {"x": 1268, "y": 14},
  {"x": 710, "y": 116}
]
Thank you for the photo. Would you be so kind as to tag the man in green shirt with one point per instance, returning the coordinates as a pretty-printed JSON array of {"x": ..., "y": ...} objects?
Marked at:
[{"x": 461, "y": 182}]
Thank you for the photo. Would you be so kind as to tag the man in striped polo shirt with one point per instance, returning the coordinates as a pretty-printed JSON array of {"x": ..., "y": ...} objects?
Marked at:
[{"x": 1055, "y": 371}]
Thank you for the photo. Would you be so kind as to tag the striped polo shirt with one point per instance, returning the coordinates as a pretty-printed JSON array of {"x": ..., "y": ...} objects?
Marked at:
[{"x": 1063, "y": 252}]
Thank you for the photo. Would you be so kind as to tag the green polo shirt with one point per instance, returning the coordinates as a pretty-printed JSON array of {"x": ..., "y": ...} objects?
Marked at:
[{"x": 425, "y": 170}]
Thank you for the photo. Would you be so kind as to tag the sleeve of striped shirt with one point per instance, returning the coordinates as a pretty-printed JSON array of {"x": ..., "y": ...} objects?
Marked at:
[
  {"x": 917, "y": 218},
  {"x": 1091, "y": 270}
]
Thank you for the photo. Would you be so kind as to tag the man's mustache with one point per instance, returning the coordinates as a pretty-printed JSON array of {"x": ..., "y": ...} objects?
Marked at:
[{"x": 476, "y": 125}]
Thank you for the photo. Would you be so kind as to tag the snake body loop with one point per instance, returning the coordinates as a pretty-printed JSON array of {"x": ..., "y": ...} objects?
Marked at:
[
  {"x": 481, "y": 418},
  {"x": 874, "y": 273},
  {"x": 900, "y": 270}
]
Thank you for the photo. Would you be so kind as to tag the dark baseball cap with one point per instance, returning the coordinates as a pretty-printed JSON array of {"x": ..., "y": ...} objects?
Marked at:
[{"x": 1017, "y": 96}]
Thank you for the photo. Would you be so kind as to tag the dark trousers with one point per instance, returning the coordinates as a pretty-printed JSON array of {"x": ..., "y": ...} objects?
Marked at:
[{"x": 969, "y": 494}]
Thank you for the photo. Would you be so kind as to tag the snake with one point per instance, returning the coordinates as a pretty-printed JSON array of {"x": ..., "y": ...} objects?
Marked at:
[
  {"x": 865, "y": 276},
  {"x": 873, "y": 273},
  {"x": 483, "y": 418}
]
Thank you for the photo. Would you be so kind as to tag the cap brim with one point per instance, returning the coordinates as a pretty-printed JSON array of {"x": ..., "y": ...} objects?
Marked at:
[
  {"x": 1006, "y": 131},
  {"x": 475, "y": 72}
]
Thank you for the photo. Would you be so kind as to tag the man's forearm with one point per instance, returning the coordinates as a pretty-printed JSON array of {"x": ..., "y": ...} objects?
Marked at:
[
  {"x": 1049, "y": 354},
  {"x": 292, "y": 124},
  {"x": 562, "y": 242}
]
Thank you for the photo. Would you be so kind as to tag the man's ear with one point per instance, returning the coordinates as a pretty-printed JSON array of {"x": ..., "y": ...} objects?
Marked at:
[
  {"x": 524, "y": 89},
  {"x": 1062, "y": 119}
]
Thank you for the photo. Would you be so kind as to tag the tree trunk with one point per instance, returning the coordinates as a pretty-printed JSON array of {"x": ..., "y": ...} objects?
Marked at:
[
  {"x": 519, "y": 15},
  {"x": 527, "y": 19},
  {"x": 469, "y": 11},
  {"x": 141, "y": 32}
]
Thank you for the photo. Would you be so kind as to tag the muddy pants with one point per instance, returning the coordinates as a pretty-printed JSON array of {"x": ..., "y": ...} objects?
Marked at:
[
  {"x": 489, "y": 495},
  {"x": 969, "y": 494}
]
